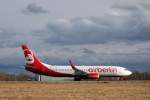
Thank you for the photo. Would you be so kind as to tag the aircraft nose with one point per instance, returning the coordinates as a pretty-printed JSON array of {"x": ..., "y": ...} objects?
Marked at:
[{"x": 129, "y": 72}]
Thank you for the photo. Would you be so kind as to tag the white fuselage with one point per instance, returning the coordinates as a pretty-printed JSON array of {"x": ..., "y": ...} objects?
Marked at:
[{"x": 102, "y": 70}]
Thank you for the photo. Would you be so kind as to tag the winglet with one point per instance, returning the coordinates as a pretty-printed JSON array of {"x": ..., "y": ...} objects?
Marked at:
[{"x": 72, "y": 65}]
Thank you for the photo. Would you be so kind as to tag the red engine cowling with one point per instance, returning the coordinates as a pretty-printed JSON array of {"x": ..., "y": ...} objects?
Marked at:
[{"x": 93, "y": 75}]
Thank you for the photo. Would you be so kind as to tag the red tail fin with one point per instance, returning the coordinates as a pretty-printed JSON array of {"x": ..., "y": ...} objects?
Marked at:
[{"x": 31, "y": 59}]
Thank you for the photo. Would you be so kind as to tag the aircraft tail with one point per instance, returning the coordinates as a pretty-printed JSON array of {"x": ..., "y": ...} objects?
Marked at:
[{"x": 31, "y": 59}]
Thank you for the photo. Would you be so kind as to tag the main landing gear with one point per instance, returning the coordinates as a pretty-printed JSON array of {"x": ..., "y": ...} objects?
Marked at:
[{"x": 77, "y": 79}]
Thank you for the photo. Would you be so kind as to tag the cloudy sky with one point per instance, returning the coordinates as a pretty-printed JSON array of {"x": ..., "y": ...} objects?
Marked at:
[{"x": 107, "y": 32}]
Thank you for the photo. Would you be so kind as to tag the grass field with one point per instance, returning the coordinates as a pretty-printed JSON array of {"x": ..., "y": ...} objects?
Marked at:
[{"x": 85, "y": 90}]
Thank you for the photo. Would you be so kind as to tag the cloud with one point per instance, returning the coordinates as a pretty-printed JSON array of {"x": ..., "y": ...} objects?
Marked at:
[
  {"x": 96, "y": 30},
  {"x": 122, "y": 22},
  {"x": 7, "y": 38},
  {"x": 88, "y": 51},
  {"x": 125, "y": 6},
  {"x": 33, "y": 8},
  {"x": 145, "y": 4}
]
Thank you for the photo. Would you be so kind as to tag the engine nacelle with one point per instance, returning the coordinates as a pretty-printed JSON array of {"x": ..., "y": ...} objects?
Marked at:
[{"x": 93, "y": 75}]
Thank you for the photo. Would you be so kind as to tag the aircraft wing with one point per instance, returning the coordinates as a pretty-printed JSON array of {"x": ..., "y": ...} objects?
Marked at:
[
  {"x": 83, "y": 74},
  {"x": 77, "y": 72}
]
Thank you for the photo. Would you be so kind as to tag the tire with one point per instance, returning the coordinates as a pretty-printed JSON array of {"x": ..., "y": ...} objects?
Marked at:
[{"x": 77, "y": 79}]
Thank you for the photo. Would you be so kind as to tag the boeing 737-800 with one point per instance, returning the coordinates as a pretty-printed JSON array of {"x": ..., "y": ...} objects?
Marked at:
[{"x": 34, "y": 65}]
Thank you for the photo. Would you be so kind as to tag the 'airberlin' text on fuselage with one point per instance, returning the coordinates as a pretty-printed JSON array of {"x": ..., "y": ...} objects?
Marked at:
[{"x": 109, "y": 69}]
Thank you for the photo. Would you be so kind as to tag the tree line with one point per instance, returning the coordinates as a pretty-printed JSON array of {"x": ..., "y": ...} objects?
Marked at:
[
  {"x": 14, "y": 77},
  {"x": 136, "y": 75}
]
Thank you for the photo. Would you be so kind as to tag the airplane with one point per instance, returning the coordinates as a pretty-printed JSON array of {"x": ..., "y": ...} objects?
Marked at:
[{"x": 33, "y": 64}]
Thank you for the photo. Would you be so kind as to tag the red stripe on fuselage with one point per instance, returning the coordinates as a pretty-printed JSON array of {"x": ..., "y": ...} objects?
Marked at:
[{"x": 42, "y": 69}]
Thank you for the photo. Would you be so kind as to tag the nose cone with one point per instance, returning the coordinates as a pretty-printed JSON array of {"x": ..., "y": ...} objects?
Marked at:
[{"x": 129, "y": 73}]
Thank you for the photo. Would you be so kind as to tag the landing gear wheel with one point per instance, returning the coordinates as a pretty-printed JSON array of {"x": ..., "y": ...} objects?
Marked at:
[{"x": 77, "y": 79}]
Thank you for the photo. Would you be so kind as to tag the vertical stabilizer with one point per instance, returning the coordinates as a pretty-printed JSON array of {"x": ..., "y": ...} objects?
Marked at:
[{"x": 31, "y": 59}]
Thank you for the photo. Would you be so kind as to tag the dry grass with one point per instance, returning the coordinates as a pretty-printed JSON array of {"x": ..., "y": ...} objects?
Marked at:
[{"x": 111, "y": 90}]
